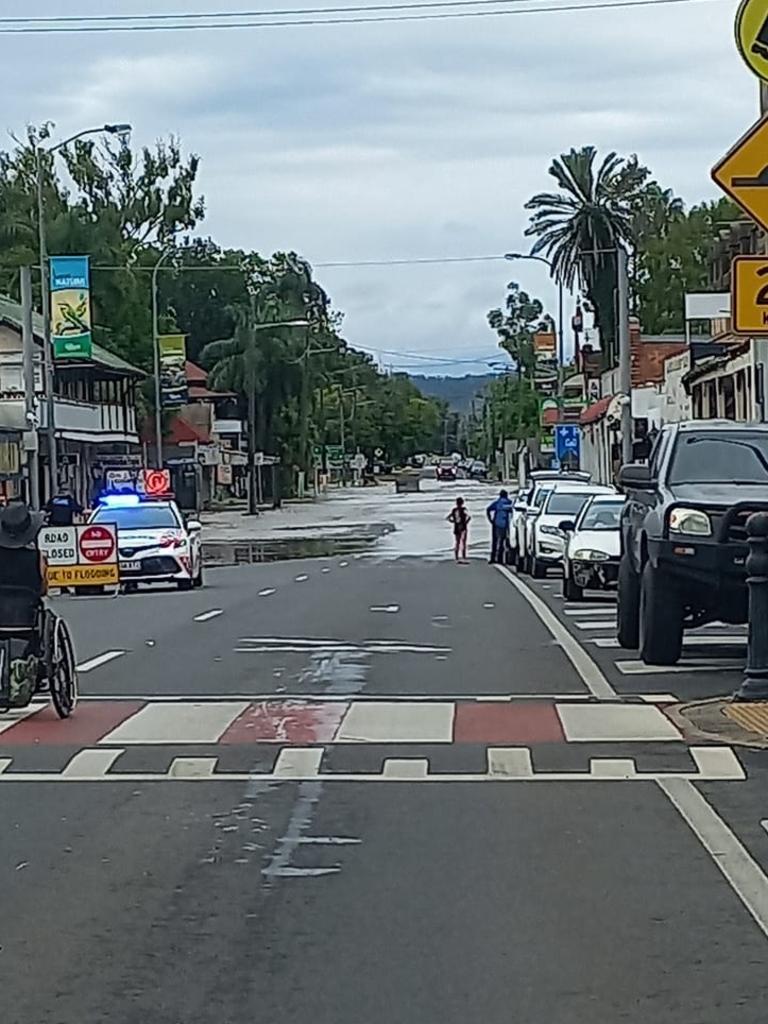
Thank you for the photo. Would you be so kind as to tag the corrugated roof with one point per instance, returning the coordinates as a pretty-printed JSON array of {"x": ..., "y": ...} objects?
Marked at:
[{"x": 11, "y": 313}]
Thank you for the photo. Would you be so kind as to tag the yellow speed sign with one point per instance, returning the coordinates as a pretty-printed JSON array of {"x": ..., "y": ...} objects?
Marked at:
[{"x": 752, "y": 35}]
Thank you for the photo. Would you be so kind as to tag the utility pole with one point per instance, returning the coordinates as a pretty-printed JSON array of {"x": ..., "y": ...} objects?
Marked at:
[
  {"x": 28, "y": 365},
  {"x": 625, "y": 355},
  {"x": 48, "y": 371},
  {"x": 763, "y": 98}
]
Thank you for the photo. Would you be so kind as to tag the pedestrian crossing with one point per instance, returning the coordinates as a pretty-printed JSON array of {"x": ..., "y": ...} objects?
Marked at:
[{"x": 224, "y": 721}]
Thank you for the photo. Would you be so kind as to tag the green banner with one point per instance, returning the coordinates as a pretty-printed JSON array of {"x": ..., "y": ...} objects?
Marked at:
[
  {"x": 71, "y": 307},
  {"x": 173, "y": 370}
]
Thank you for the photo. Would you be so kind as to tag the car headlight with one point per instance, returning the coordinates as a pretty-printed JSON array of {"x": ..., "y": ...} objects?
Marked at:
[
  {"x": 690, "y": 520},
  {"x": 588, "y": 555},
  {"x": 551, "y": 529}
]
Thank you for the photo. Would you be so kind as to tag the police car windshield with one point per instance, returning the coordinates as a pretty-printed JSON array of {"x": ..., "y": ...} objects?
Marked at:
[{"x": 139, "y": 517}]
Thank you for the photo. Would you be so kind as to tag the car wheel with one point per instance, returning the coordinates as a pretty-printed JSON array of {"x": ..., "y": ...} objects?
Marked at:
[
  {"x": 538, "y": 569},
  {"x": 185, "y": 584},
  {"x": 571, "y": 591},
  {"x": 661, "y": 620},
  {"x": 628, "y": 606},
  {"x": 519, "y": 561},
  {"x": 198, "y": 581}
]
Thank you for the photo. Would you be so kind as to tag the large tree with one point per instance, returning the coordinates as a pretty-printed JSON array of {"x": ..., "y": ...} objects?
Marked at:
[{"x": 580, "y": 226}]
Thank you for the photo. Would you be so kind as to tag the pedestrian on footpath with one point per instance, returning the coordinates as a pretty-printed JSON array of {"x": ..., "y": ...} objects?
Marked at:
[
  {"x": 499, "y": 513},
  {"x": 63, "y": 508},
  {"x": 460, "y": 519}
]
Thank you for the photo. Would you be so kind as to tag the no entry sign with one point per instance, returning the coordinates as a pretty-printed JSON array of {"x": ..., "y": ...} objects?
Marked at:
[{"x": 97, "y": 543}]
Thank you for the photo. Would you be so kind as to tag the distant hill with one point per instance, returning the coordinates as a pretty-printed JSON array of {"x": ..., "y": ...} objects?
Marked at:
[{"x": 458, "y": 392}]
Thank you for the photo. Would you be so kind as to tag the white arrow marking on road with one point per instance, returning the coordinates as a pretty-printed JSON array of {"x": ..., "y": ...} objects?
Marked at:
[
  {"x": 100, "y": 659},
  {"x": 267, "y": 592},
  {"x": 212, "y": 614}
]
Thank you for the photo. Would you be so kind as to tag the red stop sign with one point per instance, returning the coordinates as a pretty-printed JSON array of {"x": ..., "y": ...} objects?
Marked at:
[{"x": 97, "y": 544}]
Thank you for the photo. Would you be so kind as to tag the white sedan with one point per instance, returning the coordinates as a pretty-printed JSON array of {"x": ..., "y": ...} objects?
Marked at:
[
  {"x": 547, "y": 543},
  {"x": 593, "y": 547},
  {"x": 155, "y": 545}
]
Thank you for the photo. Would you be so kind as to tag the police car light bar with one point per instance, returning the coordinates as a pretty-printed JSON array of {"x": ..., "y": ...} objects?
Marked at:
[{"x": 119, "y": 500}]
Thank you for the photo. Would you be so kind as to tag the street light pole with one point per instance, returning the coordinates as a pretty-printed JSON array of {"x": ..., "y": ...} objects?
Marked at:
[
  {"x": 156, "y": 360},
  {"x": 110, "y": 129}
]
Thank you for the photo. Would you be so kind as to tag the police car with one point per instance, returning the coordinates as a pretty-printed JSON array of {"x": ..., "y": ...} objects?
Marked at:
[{"x": 155, "y": 545}]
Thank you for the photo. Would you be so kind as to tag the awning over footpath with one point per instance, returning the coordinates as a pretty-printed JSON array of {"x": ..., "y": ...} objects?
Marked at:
[{"x": 595, "y": 412}]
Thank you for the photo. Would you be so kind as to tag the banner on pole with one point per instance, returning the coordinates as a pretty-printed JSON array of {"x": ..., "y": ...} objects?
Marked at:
[
  {"x": 173, "y": 372},
  {"x": 71, "y": 307}
]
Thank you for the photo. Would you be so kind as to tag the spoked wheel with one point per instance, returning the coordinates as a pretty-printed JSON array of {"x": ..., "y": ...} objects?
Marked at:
[{"x": 61, "y": 668}]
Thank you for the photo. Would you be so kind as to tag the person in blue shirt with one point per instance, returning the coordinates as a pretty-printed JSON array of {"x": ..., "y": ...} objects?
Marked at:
[{"x": 499, "y": 513}]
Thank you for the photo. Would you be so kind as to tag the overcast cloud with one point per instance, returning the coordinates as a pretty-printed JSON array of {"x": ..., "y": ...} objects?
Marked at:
[{"x": 399, "y": 140}]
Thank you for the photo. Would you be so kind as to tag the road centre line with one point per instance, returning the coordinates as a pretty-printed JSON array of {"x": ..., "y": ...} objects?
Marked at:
[
  {"x": 729, "y": 855},
  {"x": 302, "y": 578},
  {"x": 212, "y": 614},
  {"x": 267, "y": 592},
  {"x": 588, "y": 669},
  {"x": 100, "y": 659}
]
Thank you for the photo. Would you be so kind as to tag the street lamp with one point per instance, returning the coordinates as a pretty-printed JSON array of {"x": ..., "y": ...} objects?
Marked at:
[
  {"x": 122, "y": 131},
  {"x": 512, "y": 256}
]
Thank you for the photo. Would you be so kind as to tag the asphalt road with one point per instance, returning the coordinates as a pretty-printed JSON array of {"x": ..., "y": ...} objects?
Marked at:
[{"x": 375, "y": 789}]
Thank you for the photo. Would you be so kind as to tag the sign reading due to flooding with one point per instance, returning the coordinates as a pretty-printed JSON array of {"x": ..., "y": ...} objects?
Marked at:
[{"x": 80, "y": 556}]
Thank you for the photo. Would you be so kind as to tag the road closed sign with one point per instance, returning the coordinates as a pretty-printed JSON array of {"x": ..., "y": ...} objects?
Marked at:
[{"x": 80, "y": 556}]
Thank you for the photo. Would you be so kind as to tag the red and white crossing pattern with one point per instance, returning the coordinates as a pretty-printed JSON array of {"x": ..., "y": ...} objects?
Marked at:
[{"x": 126, "y": 722}]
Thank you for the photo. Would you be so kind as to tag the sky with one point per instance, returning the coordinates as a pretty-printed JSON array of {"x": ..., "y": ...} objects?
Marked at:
[{"x": 394, "y": 141}]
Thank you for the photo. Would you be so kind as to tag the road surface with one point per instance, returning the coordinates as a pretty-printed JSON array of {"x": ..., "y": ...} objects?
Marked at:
[{"x": 377, "y": 788}]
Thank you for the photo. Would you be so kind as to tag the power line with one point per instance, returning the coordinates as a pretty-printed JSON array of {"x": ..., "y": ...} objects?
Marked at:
[{"x": 82, "y": 27}]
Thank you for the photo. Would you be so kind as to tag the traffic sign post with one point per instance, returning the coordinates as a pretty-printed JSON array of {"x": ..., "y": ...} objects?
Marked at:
[
  {"x": 749, "y": 295},
  {"x": 752, "y": 35},
  {"x": 567, "y": 441},
  {"x": 743, "y": 173}
]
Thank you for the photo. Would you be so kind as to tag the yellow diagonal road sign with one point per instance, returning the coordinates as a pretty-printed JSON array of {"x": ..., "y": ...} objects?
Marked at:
[
  {"x": 749, "y": 300},
  {"x": 752, "y": 35},
  {"x": 743, "y": 173}
]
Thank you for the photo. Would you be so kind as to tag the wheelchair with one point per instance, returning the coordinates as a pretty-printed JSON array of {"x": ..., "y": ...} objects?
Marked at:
[{"x": 37, "y": 655}]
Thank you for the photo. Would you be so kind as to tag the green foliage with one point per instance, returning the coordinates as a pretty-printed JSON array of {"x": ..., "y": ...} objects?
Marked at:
[{"x": 516, "y": 325}]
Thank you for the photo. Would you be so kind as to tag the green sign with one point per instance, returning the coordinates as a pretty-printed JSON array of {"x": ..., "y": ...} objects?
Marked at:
[
  {"x": 334, "y": 453},
  {"x": 71, "y": 307}
]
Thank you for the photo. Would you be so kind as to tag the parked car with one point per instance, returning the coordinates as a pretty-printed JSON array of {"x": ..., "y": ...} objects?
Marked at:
[
  {"x": 524, "y": 523},
  {"x": 477, "y": 470},
  {"x": 683, "y": 532},
  {"x": 547, "y": 540},
  {"x": 592, "y": 547}
]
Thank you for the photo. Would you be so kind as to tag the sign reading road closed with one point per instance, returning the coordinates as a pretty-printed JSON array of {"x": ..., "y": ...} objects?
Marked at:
[{"x": 80, "y": 556}]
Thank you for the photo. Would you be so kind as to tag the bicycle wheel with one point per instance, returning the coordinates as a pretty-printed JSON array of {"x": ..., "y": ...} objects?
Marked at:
[{"x": 61, "y": 669}]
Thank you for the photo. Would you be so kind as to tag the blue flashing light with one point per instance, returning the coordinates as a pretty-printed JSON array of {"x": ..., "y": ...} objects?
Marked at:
[{"x": 119, "y": 500}]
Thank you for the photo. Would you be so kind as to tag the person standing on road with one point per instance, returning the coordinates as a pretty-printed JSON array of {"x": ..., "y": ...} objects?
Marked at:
[
  {"x": 63, "y": 508},
  {"x": 499, "y": 513},
  {"x": 460, "y": 519}
]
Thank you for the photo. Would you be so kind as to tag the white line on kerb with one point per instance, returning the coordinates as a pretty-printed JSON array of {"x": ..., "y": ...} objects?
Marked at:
[
  {"x": 100, "y": 659},
  {"x": 212, "y": 614},
  {"x": 731, "y": 858},
  {"x": 593, "y": 678}
]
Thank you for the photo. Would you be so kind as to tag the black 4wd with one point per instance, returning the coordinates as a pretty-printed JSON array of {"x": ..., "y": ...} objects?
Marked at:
[{"x": 683, "y": 532}]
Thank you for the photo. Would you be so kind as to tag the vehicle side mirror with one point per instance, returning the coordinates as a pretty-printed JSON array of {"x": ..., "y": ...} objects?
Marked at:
[
  {"x": 635, "y": 476},
  {"x": 194, "y": 526},
  {"x": 567, "y": 526}
]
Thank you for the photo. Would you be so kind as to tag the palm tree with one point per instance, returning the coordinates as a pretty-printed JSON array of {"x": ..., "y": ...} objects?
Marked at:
[{"x": 579, "y": 226}]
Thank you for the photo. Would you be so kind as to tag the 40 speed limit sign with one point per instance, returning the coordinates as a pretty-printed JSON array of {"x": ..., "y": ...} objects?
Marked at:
[{"x": 80, "y": 556}]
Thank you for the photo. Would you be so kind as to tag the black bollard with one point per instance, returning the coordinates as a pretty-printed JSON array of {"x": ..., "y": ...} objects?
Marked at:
[{"x": 755, "y": 685}]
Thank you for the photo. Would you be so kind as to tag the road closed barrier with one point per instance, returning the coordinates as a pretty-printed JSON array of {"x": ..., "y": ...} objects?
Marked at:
[{"x": 81, "y": 556}]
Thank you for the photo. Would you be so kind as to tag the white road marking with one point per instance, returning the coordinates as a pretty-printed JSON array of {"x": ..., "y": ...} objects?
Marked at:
[
  {"x": 588, "y": 669},
  {"x": 576, "y": 612},
  {"x": 389, "y": 608},
  {"x": 343, "y": 565},
  {"x": 718, "y": 763},
  {"x": 5, "y": 762},
  {"x": 595, "y": 723},
  {"x": 212, "y": 614},
  {"x": 509, "y": 761},
  {"x": 406, "y": 768},
  {"x": 294, "y": 644},
  {"x": 639, "y": 668},
  {"x": 302, "y": 578},
  {"x": 397, "y": 722},
  {"x": 88, "y": 763},
  {"x": 326, "y": 569},
  {"x": 11, "y": 718},
  {"x": 195, "y": 722},
  {"x": 194, "y": 698},
  {"x": 293, "y": 762},
  {"x": 613, "y": 768},
  {"x": 100, "y": 659},
  {"x": 192, "y": 767},
  {"x": 656, "y": 698},
  {"x": 290, "y": 872},
  {"x": 267, "y": 592},
  {"x": 729, "y": 855},
  {"x": 688, "y": 641},
  {"x": 296, "y": 649},
  {"x": 602, "y": 624},
  {"x": 327, "y": 841}
]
